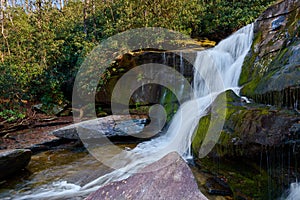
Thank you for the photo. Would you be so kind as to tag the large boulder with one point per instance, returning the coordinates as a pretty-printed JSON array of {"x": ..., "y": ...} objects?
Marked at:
[
  {"x": 110, "y": 126},
  {"x": 174, "y": 181},
  {"x": 249, "y": 128},
  {"x": 271, "y": 70},
  {"x": 12, "y": 161}
]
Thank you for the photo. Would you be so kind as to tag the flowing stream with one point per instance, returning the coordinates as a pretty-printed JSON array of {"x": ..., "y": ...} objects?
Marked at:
[
  {"x": 216, "y": 70},
  {"x": 293, "y": 192}
]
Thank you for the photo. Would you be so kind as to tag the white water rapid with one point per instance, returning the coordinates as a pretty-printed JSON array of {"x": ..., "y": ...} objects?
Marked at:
[{"x": 217, "y": 70}]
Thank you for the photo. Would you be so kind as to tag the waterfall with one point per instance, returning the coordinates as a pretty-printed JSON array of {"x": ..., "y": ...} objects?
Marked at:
[
  {"x": 294, "y": 192},
  {"x": 181, "y": 64},
  {"x": 216, "y": 70}
]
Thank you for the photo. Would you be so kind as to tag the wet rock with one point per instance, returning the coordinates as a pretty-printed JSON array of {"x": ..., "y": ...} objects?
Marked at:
[
  {"x": 182, "y": 61},
  {"x": 12, "y": 161},
  {"x": 270, "y": 72},
  {"x": 175, "y": 181},
  {"x": 276, "y": 23},
  {"x": 295, "y": 129},
  {"x": 249, "y": 128},
  {"x": 217, "y": 186},
  {"x": 110, "y": 126},
  {"x": 59, "y": 143}
]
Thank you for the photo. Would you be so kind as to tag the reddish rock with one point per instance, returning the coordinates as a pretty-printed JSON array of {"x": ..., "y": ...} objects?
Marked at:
[{"x": 175, "y": 181}]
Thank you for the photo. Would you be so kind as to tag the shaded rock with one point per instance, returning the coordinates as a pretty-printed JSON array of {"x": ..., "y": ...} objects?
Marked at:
[
  {"x": 182, "y": 61},
  {"x": 175, "y": 181},
  {"x": 12, "y": 161},
  {"x": 52, "y": 109},
  {"x": 278, "y": 22},
  {"x": 59, "y": 143},
  {"x": 270, "y": 72},
  {"x": 217, "y": 186},
  {"x": 110, "y": 126},
  {"x": 249, "y": 128}
]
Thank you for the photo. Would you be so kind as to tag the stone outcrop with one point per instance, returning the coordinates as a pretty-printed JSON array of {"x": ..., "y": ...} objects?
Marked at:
[
  {"x": 175, "y": 181},
  {"x": 110, "y": 126},
  {"x": 271, "y": 70},
  {"x": 251, "y": 128},
  {"x": 182, "y": 61},
  {"x": 12, "y": 161}
]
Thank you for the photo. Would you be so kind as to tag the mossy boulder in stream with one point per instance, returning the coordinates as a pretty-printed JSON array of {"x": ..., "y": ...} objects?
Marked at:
[
  {"x": 271, "y": 70},
  {"x": 249, "y": 128}
]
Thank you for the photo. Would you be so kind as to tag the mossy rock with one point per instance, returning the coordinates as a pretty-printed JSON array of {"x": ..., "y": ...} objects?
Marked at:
[
  {"x": 273, "y": 63},
  {"x": 246, "y": 179},
  {"x": 248, "y": 128}
]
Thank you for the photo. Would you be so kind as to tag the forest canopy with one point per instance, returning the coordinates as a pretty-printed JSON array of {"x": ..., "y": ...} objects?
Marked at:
[{"x": 44, "y": 42}]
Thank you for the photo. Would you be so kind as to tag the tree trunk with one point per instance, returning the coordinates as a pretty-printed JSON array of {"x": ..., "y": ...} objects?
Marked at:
[
  {"x": 85, "y": 16},
  {"x": 5, "y": 41}
]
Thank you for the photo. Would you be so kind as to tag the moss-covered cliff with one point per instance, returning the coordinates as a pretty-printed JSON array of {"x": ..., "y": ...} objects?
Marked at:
[
  {"x": 250, "y": 128},
  {"x": 271, "y": 70}
]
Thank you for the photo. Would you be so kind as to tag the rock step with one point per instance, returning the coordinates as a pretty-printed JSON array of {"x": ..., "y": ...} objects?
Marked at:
[
  {"x": 110, "y": 126},
  {"x": 12, "y": 161},
  {"x": 167, "y": 178}
]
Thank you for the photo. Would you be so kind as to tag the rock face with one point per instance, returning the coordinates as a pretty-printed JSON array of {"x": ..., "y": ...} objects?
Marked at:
[
  {"x": 12, "y": 161},
  {"x": 149, "y": 93},
  {"x": 110, "y": 126},
  {"x": 249, "y": 128},
  {"x": 271, "y": 71},
  {"x": 175, "y": 181}
]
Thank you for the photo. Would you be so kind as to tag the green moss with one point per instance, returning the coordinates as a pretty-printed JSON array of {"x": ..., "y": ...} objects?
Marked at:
[
  {"x": 258, "y": 71},
  {"x": 281, "y": 54},
  {"x": 257, "y": 38},
  {"x": 170, "y": 103},
  {"x": 222, "y": 111},
  {"x": 200, "y": 133},
  {"x": 248, "y": 69},
  {"x": 292, "y": 23},
  {"x": 246, "y": 179},
  {"x": 224, "y": 146},
  {"x": 140, "y": 110},
  {"x": 240, "y": 121}
]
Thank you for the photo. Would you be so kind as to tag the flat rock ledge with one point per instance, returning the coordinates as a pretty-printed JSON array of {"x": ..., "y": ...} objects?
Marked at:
[
  {"x": 12, "y": 161},
  {"x": 110, "y": 126},
  {"x": 167, "y": 178}
]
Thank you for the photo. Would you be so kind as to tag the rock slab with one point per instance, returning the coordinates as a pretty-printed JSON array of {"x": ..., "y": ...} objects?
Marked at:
[
  {"x": 13, "y": 160},
  {"x": 110, "y": 126},
  {"x": 173, "y": 181}
]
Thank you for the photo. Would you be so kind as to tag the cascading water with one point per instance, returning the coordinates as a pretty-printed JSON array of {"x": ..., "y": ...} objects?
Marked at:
[
  {"x": 223, "y": 61},
  {"x": 294, "y": 191},
  {"x": 181, "y": 64}
]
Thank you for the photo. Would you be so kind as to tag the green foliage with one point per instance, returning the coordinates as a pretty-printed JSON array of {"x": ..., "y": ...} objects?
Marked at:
[
  {"x": 42, "y": 45},
  {"x": 11, "y": 115},
  {"x": 221, "y": 18}
]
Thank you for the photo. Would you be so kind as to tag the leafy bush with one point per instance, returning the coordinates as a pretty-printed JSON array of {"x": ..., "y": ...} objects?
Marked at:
[
  {"x": 43, "y": 45},
  {"x": 11, "y": 115}
]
